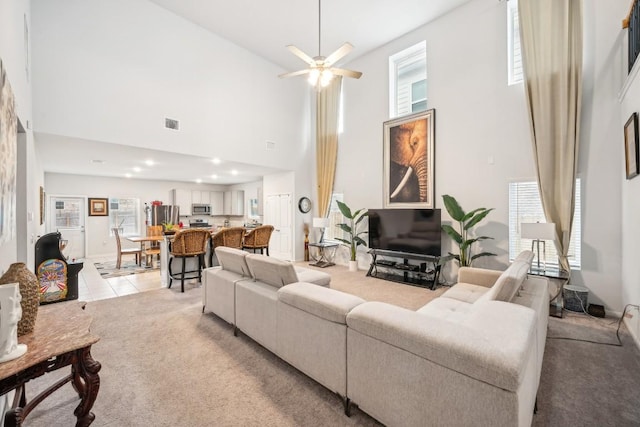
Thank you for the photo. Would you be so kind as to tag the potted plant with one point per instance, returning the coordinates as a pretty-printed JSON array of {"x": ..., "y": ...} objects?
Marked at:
[
  {"x": 462, "y": 237},
  {"x": 351, "y": 229}
]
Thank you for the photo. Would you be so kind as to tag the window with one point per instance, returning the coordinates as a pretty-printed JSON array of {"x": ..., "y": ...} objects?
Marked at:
[
  {"x": 514, "y": 52},
  {"x": 125, "y": 215},
  {"x": 408, "y": 80},
  {"x": 335, "y": 218},
  {"x": 525, "y": 207}
]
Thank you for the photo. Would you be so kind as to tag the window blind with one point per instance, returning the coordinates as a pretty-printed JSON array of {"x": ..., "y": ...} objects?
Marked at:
[
  {"x": 525, "y": 207},
  {"x": 514, "y": 51},
  {"x": 125, "y": 215}
]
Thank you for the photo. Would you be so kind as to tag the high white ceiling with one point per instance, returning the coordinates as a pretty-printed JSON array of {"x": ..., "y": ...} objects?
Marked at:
[{"x": 264, "y": 28}]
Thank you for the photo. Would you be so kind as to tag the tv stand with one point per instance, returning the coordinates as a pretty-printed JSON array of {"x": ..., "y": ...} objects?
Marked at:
[{"x": 425, "y": 272}]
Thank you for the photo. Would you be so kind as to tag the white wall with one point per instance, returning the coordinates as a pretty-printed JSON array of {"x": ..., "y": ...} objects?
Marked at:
[
  {"x": 479, "y": 116},
  {"x": 14, "y": 58},
  {"x": 630, "y": 103},
  {"x": 97, "y": 229},
  {"x": 113, "y": 70}
]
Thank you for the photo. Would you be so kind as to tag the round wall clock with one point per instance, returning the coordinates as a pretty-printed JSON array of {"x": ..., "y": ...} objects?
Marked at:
[{"x": 304, "y": 204}]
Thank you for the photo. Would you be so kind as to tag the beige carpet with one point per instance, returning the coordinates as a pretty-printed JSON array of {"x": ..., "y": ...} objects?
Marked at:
[{"x": 164, "y": 363}]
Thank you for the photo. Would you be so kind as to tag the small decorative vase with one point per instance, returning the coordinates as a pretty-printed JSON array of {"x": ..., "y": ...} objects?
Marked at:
[
  {"x": 29, "y": 289},
  {"x": 353, "y": 265}
]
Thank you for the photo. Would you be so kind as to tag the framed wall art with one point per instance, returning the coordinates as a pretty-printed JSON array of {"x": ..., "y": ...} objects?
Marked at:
[
  {"x": 98, "y": 207},
  {"x": 631, "y": 146},
  {"x": 8, "y": 158},
  {"x": 408, "y": 170}
]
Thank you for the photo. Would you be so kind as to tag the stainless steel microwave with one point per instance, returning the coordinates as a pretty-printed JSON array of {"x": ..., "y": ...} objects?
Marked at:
[{"x": 199, "y": 209}]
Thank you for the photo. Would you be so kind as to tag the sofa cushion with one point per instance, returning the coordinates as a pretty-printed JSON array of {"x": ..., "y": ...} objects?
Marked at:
[
  {"x": 446, "y": 308},
  {"x": 270, "y": 270},
  {"x": 465, "y": 292},
  {"x": 312, "y": 276},
  {"x": 233, "y": 260},
  {"x": 278, "y": 273},
  {"x": 511, "y": 280},
  {"x": 328, "y": 304}
]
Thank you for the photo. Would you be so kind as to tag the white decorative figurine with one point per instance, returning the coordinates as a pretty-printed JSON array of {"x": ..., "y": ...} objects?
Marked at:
[{"x": 10, "y": 314}]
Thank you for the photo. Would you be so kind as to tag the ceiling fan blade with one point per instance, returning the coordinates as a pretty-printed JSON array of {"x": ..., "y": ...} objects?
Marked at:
[
  {"x": 295, "y": 73},
  {"x": 338, "y": 54},
  {"x": 346, "y": 73},
  {"x": 300, "y": 54}
]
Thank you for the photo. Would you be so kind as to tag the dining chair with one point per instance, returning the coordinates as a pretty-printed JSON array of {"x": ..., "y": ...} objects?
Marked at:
[
  {"x": 188, "y": 243},
  {"x": 152, "y": 249},
  {"x": 231, "y": 237},
  {"x": 125, "y": 251},
  {"x": 258, "y": 238}
]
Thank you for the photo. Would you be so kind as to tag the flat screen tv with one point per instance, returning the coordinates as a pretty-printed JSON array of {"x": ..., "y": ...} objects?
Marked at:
[{"x": 405, "y": 230}]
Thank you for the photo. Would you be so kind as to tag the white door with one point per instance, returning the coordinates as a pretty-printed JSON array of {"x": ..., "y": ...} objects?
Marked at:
[
  {"x": 66, "y": 215},
  {"x": 278, "y": 214}
]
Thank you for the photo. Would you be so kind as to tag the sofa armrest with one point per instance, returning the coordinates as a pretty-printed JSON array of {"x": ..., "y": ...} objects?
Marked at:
[
  {"x": 478, "y": 276},
  {"x": 491, "y": 344}
]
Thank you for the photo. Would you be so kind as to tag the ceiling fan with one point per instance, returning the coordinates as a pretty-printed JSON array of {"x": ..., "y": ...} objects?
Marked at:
[{"x": 320, "y": 69}]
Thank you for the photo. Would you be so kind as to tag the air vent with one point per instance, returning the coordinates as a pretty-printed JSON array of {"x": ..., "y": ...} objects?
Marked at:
[
  {"x": 270, "y": 145},
  {"x": 171, "y": 124}
]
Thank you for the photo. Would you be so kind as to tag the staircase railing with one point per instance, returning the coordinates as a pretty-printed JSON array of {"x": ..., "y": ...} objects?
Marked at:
[{"x": 632, "y": 24}]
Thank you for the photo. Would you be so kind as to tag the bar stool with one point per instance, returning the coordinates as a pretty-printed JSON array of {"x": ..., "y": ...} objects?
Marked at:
[{"x": 189, "y": 243}]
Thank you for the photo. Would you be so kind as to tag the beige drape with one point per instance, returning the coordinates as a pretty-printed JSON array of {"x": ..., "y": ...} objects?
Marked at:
[
  {"x": 551, "y": 39},
  {"x": 327, "y": 116}
]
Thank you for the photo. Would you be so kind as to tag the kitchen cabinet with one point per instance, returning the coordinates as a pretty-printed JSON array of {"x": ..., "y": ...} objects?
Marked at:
[
  {"x": 234, "y": 202},
  {"x": 217, "y": 203},
  {"x": 200, "y": 197},
  {"x": 182, "y": 198}
]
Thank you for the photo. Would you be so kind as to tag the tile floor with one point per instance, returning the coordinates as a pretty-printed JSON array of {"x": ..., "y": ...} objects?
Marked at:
[{"x": 92, "y": 287}]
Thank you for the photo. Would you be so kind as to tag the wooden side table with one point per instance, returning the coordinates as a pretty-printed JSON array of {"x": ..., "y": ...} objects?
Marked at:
[
  {"x": 561, "y": 278},
  {"x": 61, "y": 337}
]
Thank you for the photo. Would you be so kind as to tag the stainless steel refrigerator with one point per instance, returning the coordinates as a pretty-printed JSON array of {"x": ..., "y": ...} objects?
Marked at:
[{"x": 165, "y": 213}]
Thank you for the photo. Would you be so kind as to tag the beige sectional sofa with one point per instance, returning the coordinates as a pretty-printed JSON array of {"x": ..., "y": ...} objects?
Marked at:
[{"x": 471, "y": 357}]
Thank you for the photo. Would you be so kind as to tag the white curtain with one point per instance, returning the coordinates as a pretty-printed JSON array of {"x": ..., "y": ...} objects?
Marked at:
[
  {"x": 551, "y": 39},
  {"x": 327, "y": 116}
]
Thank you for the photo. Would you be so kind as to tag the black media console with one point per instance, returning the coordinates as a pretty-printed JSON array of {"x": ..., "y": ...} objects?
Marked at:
[{"x": 424, "y": 271}]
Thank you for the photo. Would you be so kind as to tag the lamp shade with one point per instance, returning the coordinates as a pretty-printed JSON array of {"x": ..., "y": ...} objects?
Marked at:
[
  {"x": 538, "y": 230},
  {"x": 320, "y": 222}
]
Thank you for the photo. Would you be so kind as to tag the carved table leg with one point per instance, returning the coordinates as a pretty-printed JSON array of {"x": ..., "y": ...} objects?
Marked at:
[{"x": 86, "y": 382}]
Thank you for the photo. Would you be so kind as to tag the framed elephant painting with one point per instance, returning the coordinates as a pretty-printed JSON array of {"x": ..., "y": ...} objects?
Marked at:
[{"x": 409, "y": 161}]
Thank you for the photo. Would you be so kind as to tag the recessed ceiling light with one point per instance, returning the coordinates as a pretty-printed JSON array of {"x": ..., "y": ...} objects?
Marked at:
[
  {"x": 148, "y": 162},
  {"x": 128, "y": 175},
  {"x": 199, "y": 181},
  {"x": 214, "y": 176},
  {"x": 98, "y": 161},
  {"x": 137, "y": 169},
  {"x": 234, "y": 172},
  {"x": 216, "y": 161}
]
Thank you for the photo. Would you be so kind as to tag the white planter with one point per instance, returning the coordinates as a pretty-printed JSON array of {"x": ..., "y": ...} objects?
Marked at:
[{"x": 353, "y": 265}]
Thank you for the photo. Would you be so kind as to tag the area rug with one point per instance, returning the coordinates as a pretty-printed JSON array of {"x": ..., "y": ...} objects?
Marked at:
[{"x": 108, "y": 269}]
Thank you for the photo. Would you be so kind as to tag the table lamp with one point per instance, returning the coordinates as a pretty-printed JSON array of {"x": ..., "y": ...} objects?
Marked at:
[
  {"x": 321, "y": 223},
  {"x": 539, "y": 232}
]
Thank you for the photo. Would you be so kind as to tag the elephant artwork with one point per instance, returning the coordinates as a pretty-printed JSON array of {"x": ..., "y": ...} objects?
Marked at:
[{"x": 409, "y": 161}]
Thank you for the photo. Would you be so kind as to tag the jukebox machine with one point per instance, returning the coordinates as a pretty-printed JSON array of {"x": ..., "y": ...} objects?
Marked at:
[{"x": 58, "y": 278}]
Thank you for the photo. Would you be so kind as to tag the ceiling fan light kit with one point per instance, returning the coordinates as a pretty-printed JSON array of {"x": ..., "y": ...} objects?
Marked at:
[{"x": 320, "y": 69}]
